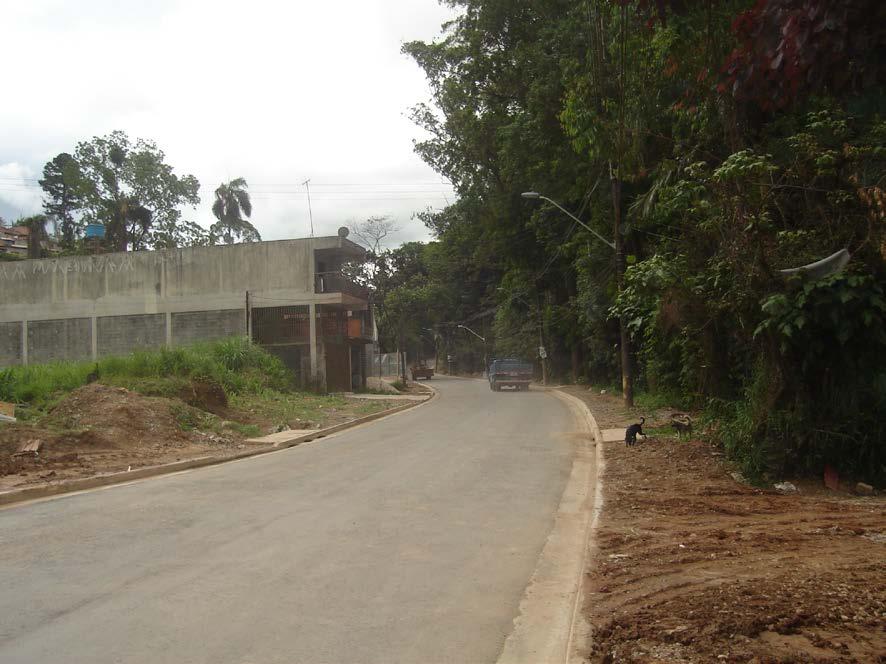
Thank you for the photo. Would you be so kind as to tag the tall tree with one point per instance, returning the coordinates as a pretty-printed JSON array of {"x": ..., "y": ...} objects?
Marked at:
[
  {"x": 131, "y": 189},
  {"x": 230, "y": 206},
  {"x": 62, "y": 186}
]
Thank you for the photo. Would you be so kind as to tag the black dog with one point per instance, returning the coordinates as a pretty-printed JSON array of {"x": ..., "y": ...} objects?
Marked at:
[{"x": 633, "y": 431}]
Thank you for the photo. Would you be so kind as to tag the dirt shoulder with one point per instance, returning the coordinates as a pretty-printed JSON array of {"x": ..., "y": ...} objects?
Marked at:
[
  {"x": 694, "y": 567},
  {"x": 99, "y": 429}
]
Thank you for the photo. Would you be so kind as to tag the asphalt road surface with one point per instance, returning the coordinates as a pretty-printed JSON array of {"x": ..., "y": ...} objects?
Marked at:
[{"x": 411, "y": 539}]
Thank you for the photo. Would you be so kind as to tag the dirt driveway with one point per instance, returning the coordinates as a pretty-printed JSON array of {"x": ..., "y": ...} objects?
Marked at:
[{"x": 695, "y": 567}]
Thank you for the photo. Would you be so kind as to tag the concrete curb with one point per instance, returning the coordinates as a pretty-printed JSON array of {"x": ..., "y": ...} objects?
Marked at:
[
  {"x": 549, "y": 627},
  {"x": 295, "y": 437},
  {"x": 581, "y": 632},
  {"x": 15, "y": 496}
]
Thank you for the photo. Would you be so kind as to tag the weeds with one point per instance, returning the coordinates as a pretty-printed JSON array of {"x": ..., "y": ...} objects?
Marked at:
[
  {"x": 236, "y": 364},
  {"x": 189, "y": 418}
]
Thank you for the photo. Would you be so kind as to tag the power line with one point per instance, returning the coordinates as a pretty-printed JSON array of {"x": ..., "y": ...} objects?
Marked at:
[{"x": 35, "y": 181}]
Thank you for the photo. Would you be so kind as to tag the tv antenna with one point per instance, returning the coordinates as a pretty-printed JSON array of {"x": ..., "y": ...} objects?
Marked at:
[{"x": 306, "y": 183}]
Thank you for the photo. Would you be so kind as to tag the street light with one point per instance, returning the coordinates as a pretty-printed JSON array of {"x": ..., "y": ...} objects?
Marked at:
[
  {"x": 483, "y": 339},
  {"x": 626, "y": 380},
  {"x": 535, "y": 194},
  {"x": 465, "y": 327}
]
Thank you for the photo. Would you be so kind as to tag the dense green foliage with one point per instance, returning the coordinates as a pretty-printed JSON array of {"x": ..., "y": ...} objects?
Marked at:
[
  {"x": 239, "y": 366},
  {"x": 128, "y": 187},
  {"x": 722, "y": 142}
]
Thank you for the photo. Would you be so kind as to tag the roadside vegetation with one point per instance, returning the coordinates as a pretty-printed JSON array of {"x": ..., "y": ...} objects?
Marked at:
[
  {"x": 231, "y": 375},
  {"x": 236, "y": 365},
  {"x": 154, "y": 407},
  {"x": 714, "y": 144}
]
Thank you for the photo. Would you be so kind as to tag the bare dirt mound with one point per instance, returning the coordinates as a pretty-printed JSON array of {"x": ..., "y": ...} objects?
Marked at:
[
  {"x": 206, "y": 395},
  {"x": 125, "y": 419},
  {"x": 100, "y": 429},
  {"x": 694, "y": 566}
]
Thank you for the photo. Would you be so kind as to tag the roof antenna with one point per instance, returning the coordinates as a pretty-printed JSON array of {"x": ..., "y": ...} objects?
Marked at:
[{"x": 310, "y": 214}]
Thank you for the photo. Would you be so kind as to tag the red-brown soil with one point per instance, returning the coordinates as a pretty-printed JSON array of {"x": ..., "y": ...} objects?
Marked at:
[
  {"x": 693, "y": 566},
  {"x": 100, "y": 429}
]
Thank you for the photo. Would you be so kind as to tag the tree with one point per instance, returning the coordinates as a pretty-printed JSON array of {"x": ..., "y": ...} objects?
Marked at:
[
  {"x": 231, "y": 204},
  {"x": 131, "y": 189},
  {"x": 37, "y": 237},
  {"x": 372, "y": 232},
  {"x": 62, "y": 185}
]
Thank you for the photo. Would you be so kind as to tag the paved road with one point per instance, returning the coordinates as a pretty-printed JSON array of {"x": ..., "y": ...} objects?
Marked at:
[{"x": 411, "y": 539}]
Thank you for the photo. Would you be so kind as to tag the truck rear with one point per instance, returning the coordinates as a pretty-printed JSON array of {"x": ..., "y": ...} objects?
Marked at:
[{"x": 510, "y": 373}]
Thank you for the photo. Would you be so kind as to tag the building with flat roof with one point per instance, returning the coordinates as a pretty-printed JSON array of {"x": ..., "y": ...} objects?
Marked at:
[{"x": 290, "y": 296}]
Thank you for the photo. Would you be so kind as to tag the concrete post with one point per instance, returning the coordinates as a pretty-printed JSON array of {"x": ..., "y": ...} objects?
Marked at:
[
  {"x": 169, "y": 329},
  {"x": 94, "y": 335},
  {"x": 24, "y": 342},
  {"x": 312, "y": 319}
]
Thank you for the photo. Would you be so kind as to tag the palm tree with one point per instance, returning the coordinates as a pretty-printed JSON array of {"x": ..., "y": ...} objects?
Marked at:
[{"x": 231, "y": 204}]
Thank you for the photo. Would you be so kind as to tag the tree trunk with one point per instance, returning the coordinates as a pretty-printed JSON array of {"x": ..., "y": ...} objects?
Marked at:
[{"x": 575, "y": 364}]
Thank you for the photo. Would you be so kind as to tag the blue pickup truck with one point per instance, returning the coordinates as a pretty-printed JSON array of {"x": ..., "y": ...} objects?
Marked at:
[{"x": 509, "y": 372}]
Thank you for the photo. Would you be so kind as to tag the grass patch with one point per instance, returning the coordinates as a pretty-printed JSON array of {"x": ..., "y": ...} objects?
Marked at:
[
  {"x": 302, "y": 410},
  {"x": 290, "y": 409},
  {"x": 650, "y": 401},
  {"x": 239, "y": 366},
  {"x": 191, "y": 419},
  {"x": 246, "y": 430}
]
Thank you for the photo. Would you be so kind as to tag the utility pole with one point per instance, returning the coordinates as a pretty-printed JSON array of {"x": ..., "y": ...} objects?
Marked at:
[
  {"x": 627, "y": 382},
  {"x": 307, "y": 183}
]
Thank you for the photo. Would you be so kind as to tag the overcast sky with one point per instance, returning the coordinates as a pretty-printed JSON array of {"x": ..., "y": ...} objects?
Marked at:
[{"x": 274, "y": 91}]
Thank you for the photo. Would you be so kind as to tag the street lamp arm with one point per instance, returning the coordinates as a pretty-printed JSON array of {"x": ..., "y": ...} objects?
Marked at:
[
  {"x": 568, "y": 213},
  {"x": 465, "y": 327},
  {"x": 535, "y": 194}
]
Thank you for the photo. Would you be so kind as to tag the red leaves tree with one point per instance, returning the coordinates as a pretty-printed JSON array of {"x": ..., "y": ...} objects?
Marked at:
[{"x": 791, "y": 48}]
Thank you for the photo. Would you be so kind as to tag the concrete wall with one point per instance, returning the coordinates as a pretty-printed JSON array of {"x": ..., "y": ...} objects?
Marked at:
[
  {"x": 120, "y": 335},
  {"x": 67, "y": 339},
  {"x": 195, "y": 279},
  {"x": 90, "y": 306},
  {"x": 191, "y": 326},
  {"x": 10, "y": 344}
]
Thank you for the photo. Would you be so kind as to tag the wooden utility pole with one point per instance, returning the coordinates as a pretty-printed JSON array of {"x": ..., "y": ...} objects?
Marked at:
[{"x": 627, "y": 381}]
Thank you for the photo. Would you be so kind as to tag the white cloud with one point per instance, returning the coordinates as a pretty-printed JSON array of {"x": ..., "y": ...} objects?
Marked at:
[
  {"x": 18, "y": 196},
  {"x": 274, "y": 92}
]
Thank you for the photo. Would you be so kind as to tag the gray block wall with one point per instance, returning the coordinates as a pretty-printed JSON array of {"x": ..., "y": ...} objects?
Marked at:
[
  {"x": 67, "y": 339},
  {"x": 191, "y": 326},
  {"x": 10, "y": 344},
  {"x": 119, "y": 335},
  {"x": 78, "y": 307}
]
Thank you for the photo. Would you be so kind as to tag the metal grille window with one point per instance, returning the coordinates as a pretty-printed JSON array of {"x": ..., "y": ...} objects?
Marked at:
[{"x": 281, "y": 325}]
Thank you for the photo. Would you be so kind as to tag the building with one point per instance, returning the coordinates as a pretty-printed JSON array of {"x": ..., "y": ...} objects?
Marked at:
[
  {"x": 14, "y": 240},
  {"x": 290, "y": 296}
]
